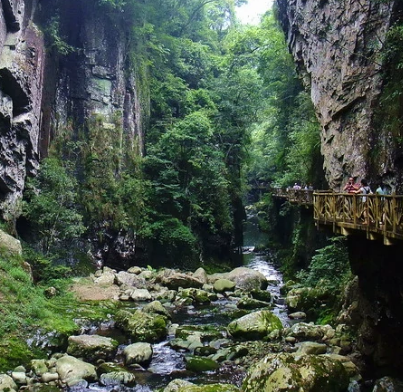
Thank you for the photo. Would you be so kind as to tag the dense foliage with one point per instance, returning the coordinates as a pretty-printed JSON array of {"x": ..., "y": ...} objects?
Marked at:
[{"x": 224, "y": 108}]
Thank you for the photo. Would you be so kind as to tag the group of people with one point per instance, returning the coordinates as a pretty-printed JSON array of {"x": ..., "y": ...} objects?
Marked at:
[
  {"x": 306, "y": 187},
  {"x": 363, "y": 188}
]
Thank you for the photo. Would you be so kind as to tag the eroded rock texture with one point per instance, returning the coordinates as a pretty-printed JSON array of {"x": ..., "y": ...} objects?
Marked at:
[
  {"x": 94, "y": 78},
  {"x": 21, "y": 79},
  {"x": 43, "y": 92},
  {"x": 336, "y": 45}
]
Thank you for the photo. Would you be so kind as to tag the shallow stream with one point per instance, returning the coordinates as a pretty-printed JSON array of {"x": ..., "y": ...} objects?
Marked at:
[{"x": 168, "y": 364}]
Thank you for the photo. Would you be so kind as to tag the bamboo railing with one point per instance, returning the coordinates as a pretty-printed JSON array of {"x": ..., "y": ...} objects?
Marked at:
[{"x": 378, "y": 215}]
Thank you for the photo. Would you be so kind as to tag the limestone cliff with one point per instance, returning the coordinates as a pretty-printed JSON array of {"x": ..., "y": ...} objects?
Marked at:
[
  {"x": 43, "y": 92},
  {"x": 337, "y": 48}
]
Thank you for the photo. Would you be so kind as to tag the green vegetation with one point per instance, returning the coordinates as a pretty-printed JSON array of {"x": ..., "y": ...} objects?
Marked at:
[
  {"x": 50, "y": 206},
  {"x": 25, "y": 310},
  {"x": 222, "y": 108},
  {"x": 328, "y": 274},
  {"x": 329, "y": 267}
]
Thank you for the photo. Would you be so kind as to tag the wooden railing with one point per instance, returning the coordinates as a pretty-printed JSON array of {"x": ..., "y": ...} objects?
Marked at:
[
  {"x": 380, "y": 216},
  {"x": 377, "y": 215}
]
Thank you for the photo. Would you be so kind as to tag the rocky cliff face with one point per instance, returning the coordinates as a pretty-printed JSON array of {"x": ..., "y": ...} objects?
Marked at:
[
  {"x": 21, "y": 81},
  {"x": 336, "y": 46},
  {"x": 43, "y": 92}
]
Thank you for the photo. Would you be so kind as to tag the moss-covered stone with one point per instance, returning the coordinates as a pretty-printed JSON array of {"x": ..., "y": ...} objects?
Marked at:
[
  {"x": 200, "y": 364},
  {"x": 256, "y": 325},
  {"x": 206, "y": 332},
  {"x": 251, "y": 303},
  {"x": 92, "y": 347},
  {"x": 186, "y": 386},
  {"x": 291, "y": 373},
  {"x": 222, "y": 285},
  {"x": 141, "y": 326},
  {"x": 209, "y": 388}
]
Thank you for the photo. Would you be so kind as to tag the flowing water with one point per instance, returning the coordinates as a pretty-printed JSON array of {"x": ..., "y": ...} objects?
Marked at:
[{"x": 168, "y": 364}]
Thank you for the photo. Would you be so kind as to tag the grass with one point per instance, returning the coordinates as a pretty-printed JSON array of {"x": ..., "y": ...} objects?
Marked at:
[{"x": 24, "y": 309}]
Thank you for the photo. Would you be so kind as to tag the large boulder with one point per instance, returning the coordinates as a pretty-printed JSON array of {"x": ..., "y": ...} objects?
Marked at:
[
  {"x": 7, "y": 384},
  {"x": 72, "y": 370},
  {"x": 10, "y": 244},
  {"x": 92, "y": 347},
  {"x": 138, "y": 353},
  {"x": 256, "y": 325},
  {"x": 142, "y": 326},
  {"x": 176, "y": 280},
  {"x": 310, "y": 331},
  {"x": 106, "y": 277},
  {"x": 248, "y": 279},
  {"x": 292, "y": 373},
  {"x": 117, "y": 378},
  {"x": 128, "y": 280},
  {"x": 201, "y": 274}
]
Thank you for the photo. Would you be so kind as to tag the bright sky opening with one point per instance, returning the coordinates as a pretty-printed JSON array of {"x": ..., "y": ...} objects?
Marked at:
[{"x": 251, "y": 12}]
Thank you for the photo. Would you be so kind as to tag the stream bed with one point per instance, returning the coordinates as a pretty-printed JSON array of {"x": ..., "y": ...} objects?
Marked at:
[{"x": 168, "y": 363}]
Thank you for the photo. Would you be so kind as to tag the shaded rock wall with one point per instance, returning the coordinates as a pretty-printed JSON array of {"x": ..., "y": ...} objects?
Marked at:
[
  {"x": 374, "y": 305},
  {"x": 21, "y": 81},
  {"x": 43, "y": 92},
  {"x": 336, "y": 46},
  {"x": 94, "y": 77}
]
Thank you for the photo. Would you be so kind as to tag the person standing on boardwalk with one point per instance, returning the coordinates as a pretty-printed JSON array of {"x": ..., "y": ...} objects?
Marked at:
[
  {"x": 351, "y": 186},
  {"x": 365, "y": 190}
]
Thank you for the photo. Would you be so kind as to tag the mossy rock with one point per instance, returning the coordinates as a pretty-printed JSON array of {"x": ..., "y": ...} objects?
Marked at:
[
  {"x": 251, "y": 303},
  {"x": 288, "y": 372},
  {"x": 206, "y": 332},
  {"x": 109, "y": 367},
  {"x": 141, "y": 326},
  {"x": 186, "y": 386},
  {"x": 15, "y": 351},
  {"x": 256, "y": 325},
  {"x": 261, "y": 295},
  {"x": 200, "y": 364},
  {"x": 222, "y": 285},
  {"x": 199, "y": 297},
  {"x": 210, "y": 388},
  {"x": 92, "y": 347}
]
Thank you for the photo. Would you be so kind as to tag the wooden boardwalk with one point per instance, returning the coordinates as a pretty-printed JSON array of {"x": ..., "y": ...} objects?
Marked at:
[
  {"x": 380, "y": 217},
  {"x": 302, "y": 197}
]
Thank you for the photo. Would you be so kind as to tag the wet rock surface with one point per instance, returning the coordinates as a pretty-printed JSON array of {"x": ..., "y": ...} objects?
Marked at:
[{"x": 199, "y": 345}]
